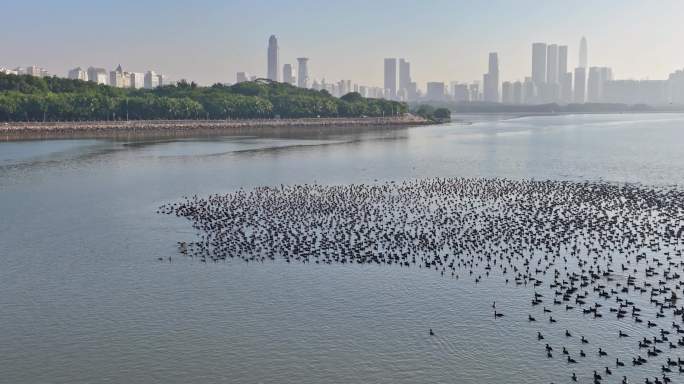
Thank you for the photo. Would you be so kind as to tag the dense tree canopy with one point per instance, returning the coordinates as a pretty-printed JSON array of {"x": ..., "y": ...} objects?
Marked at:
[{"x": 30, "y": 98}]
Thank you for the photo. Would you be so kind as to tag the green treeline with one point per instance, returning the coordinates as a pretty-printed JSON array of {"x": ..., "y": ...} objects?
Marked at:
[{"x": 28, "y": 98}]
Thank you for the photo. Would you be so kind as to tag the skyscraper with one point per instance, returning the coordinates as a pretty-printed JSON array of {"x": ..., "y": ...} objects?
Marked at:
[
  {"x": 272, "y": 58},
  {"x": 552, "y": 64},
  {"x": 391, "y": 78},
  {"x": 491, "y": 79},
  {"x": 404, "y": 76},
  {"x": 288, "y": 75},
  {"x": 583, "y": 59},
  {"x": 564, "y": 77},
  {"x": 562, "y": 60},
  {"x": 539, "y": 64},
  {"x": 303, "y": 72},
  {"x": 594, "y": 85}
]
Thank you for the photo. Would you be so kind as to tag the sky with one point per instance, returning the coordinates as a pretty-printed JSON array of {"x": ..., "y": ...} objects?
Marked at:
[{"x": 209, "y": 41}]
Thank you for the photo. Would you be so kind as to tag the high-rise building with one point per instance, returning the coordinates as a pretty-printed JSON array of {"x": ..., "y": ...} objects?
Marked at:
[
  {"x": 491, "y": 80},
  {"x": 651, "y": 92},
  {"x": 552, "y": 64},
  {"x": 594, "y": 85},
  {"x": 460, "y": 92},
  {"x": 78, "y": 74},
  {"x": 435, "y": 91},
  {"x": 116, "y": 77},
  {"x": 34, "y": 71},
  {"x": 517, "y": 92},
  {"x": 566, "y": 87},
  {"x": 676, "y": 87},
  {"x": 390, "y": 78},
  {"x": 288, "y": 75},
  {"x": 303, "y": 72},
  {"x": 151, "y": 80},
  {"x": 163, "y": 80},
  {"x": 272, "y": 69},
  {"x": 562, "y": 60},
  {"x": 404, "y": 76},
  {"x": 507, "y": 92},
  {"x": 539, "y": 64},
  {"x": 474, "y": 91},
  {"x": 606, "y": 74},
  {"x": 580, "y": 84},
  {"x": 97, "y": 75},
  {"x": 137, "y": 80},
  {"x": 529, "y": 91},
  {"x": 583, "y": 54}
]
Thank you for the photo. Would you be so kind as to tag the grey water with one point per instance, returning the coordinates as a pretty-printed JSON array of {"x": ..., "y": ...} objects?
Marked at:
[{"x": 84, "y": 298}]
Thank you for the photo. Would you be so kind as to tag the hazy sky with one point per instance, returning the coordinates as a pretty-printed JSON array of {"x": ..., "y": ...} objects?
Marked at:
[{"x": 209, "y": 40}]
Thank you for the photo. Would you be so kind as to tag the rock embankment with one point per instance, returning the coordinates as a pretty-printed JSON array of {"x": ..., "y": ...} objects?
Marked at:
[{"x": 23, "y": 130}]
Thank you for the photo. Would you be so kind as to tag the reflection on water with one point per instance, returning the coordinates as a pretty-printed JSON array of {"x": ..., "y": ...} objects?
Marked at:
[{"x": 84, "y": 298}]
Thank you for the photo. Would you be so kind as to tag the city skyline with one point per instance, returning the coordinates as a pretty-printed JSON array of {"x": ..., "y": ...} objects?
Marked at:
[{"x": 448, "y": 42}]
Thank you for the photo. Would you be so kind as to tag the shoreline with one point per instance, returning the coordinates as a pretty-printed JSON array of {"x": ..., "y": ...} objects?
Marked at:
[{"x": 12, "y": 131}]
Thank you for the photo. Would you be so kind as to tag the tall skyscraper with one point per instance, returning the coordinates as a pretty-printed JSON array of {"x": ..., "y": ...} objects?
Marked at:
[
  {"x": 564, "y": 77},
  {"x": 580, "y": 84},
  {"x": 303, "y": 72},
  {"x": 288, "y": 75},
  {"x": 491, "y": 79},
  {"x": 539, "y": 64},
  {"x": 273, "y": 58},
  {"x": 404, "y": 76},
  {"x": 552, "y": 64},
  {"x": 583, "y": 58},
  {"x": 562, "y": 60},
  {"x": 391, "y": 78}
]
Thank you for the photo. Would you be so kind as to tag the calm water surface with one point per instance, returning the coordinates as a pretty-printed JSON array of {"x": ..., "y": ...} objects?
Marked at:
[{"x": 83, "y": 298}]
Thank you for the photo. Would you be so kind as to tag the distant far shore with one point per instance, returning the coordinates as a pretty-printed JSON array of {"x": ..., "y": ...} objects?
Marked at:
[{"x": 85, "y": 129}]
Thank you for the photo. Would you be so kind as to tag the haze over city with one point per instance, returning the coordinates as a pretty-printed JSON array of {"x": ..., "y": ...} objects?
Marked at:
[
  {"x": 444, "y": 40},
  {"x": 317, "y": 191}
]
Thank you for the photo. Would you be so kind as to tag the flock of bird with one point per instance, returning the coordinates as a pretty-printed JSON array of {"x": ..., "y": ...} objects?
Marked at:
[{"x": 596, "y": 248}]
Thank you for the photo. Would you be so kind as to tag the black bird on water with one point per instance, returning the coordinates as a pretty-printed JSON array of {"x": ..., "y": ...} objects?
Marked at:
[{"x": 588, "y": 247}]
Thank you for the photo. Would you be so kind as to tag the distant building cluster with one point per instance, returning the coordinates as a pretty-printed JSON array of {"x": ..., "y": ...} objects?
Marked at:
[
  {"x": 551, "y": 81},
  {"x": 32, "y": 71},
  {"x": 300, "y": 76},
  {"x": 120, "y": 78},
  {"x": 116, "y": 78}
]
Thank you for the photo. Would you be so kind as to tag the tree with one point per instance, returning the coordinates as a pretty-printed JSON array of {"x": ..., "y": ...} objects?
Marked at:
[
  {"x": 52, "y": 98},
  {"x": 442, "y": 114}
]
